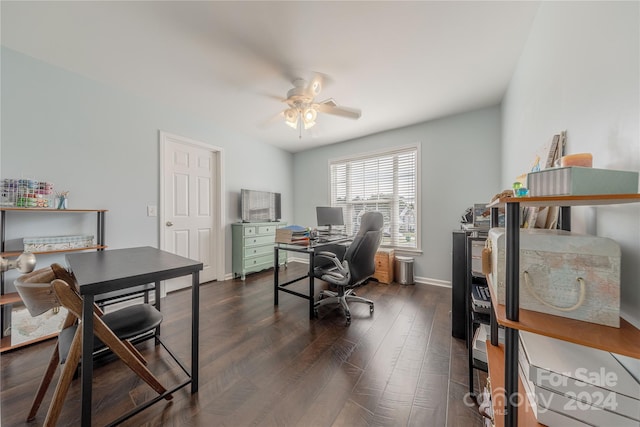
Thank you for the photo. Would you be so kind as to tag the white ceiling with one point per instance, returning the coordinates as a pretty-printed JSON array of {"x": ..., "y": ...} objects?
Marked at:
[{"x": 399, "y": 62}]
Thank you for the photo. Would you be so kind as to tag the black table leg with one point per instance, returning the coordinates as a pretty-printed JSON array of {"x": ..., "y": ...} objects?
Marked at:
[
  {"x": 195, "y": 329},
  {"x": 312, "y": 299},
  {"x": 157, "y": 305},
  {"x": 276, "y": 268},
  {"x": 86, "y": 368}
]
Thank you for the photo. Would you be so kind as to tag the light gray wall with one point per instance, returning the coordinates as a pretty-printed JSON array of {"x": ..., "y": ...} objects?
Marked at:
[
  {"x": 579, "y": 72},
  {"x": 101, "y": 144},
  {"x": 460, "y": 158}
]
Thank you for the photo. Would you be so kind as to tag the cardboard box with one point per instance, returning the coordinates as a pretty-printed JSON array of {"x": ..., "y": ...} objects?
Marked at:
[
  {"x": 576, "y": 180},
  {"x": 384, "y": 265},
  {"x": 584, "y": 383},
  {"x": 562, "y": 273}
]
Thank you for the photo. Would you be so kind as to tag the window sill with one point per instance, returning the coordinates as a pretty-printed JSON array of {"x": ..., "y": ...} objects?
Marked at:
[{"x": 402, "y": 250}]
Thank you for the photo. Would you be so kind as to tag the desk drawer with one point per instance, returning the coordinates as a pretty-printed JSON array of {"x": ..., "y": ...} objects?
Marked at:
[
  {"x": 258, "y": 250},
  {"x": 267, "y": 229},
  {"x": 259, "y": 260},
  {"x": 258, "y": 240}
]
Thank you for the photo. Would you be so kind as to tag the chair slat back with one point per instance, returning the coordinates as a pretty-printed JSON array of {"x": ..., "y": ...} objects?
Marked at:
[
  {"x": 36, "y": 292},
  {"x": 68, "y": 297},
  {"x": 62, "y": 273}
]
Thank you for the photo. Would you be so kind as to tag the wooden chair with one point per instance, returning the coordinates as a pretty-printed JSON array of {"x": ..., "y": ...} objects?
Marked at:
[{"x": 50, "y": 287}]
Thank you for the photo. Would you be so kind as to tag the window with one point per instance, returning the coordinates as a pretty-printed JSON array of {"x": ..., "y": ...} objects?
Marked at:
[{"x": 384, "y": 182}]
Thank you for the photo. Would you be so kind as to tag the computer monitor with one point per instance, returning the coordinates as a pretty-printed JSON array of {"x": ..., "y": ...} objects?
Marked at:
[{"x": 329, "y": 216}]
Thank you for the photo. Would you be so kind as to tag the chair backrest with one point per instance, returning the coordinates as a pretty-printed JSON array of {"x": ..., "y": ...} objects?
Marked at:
[
  {"x": 36, "y": 292},
  {"x": 68, "y": 297},
  {"x": 361, "y": 253}
]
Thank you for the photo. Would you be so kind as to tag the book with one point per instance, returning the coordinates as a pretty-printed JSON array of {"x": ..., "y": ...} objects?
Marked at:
[{"x": 284, "y": 235}]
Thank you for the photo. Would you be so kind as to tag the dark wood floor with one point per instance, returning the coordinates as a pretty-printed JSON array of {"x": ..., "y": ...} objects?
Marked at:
[{"x": 273, "y": 366}]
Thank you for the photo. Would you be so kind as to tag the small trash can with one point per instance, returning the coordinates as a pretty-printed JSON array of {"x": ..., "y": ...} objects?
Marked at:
[{"x": 404, "y": 270}]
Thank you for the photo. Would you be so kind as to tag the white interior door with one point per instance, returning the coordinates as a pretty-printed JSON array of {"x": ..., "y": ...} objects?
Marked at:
[{"x": 191, "y": 199}]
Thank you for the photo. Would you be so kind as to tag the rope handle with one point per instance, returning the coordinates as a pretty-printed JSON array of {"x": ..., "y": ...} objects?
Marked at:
[
  {"x": 486, "y": 258},
  {"x": 580, "y": 280}
]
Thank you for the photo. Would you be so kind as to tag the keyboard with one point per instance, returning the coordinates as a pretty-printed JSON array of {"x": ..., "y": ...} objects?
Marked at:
[{"x": 329, "y": 239}]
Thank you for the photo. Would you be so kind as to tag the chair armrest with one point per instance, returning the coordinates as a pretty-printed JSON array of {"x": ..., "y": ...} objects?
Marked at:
[
  {"x": 331, "y": 257},
  {"x": 341, "y": 276}
]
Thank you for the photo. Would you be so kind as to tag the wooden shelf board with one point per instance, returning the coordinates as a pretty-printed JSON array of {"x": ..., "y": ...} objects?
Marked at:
[
  {"x": 526, "y": 417},
  {"x": 5, "y": 343},
  {"x": 10, "y": 298},
  {"x": 624, "y": 340},
  {"x": 51, "y": 210},
  {"x": 88, "y": 248},
  {"x": 588, "y": 200}
]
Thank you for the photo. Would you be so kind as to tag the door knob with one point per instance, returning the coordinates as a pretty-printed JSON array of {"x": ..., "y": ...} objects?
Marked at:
[{"x": 169, "y": 223}]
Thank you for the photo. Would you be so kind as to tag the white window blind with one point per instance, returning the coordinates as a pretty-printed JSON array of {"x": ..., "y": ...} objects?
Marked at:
[{"x": 384, "y": 182}]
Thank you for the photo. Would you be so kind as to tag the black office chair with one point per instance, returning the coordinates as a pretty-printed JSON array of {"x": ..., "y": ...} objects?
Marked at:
[{"x": 357, "y": 266}]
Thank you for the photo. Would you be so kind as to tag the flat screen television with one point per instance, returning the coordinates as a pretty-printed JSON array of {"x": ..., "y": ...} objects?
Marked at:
[{"x": 259, "y": 206}]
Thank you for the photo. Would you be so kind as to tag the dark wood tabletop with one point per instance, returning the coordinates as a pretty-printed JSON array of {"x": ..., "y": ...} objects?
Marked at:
[{"x": 110, "y": 270}]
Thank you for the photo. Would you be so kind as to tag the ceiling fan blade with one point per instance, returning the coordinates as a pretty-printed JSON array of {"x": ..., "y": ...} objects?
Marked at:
[
  {"x": 330, "y": 107},
  {"x": 271, "y": 96},
  {"x": 277, "y": 118}
]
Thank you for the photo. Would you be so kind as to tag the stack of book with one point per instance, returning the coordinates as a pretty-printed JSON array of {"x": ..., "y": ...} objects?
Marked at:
[{"x": 292, "y": 234}]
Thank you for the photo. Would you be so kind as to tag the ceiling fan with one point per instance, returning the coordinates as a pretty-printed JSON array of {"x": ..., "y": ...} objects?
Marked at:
[{"x": 303, "y": 109}]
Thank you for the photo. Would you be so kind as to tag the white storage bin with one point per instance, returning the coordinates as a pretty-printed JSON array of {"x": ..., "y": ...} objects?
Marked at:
[{"x": 56, "y": 243}]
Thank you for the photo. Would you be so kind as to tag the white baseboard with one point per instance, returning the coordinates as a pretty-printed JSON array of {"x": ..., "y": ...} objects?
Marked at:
[
  {"x": 421, "y": 280},
  {"x": 434, "y": 282}
]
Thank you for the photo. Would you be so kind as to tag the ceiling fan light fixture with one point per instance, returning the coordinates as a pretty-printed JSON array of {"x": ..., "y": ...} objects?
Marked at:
[
  {"x": 291, "y": 117},
  {"x": 309, "y": 117},
  {"x": 303, "y": 109}
]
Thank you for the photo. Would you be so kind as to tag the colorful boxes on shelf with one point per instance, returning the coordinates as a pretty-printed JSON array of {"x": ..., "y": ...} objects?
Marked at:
[
  {"x": 570, "y": 384},
  {"x": 26, "y": 193},
  {"x": 56, "y": 243},
  {"x": 562, "y": 273},
  {"x": 576, "y": 180}
]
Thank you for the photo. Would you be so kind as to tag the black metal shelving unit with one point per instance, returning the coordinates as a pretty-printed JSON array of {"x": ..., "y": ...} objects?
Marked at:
[{"x": 624, "y": 340}]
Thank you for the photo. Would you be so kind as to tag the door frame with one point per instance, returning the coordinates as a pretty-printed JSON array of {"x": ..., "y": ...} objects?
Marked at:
[{"x": 217, "y": 197}]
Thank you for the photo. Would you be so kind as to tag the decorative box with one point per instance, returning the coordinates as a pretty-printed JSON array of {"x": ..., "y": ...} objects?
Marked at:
[
  {"x": 562, "y": 273},
  {"x": 576, "y": 180},
  {"x": 56, "y": 243},
  {"x": 384, "y": 265},
  {"x": 583, "y": 383}
]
